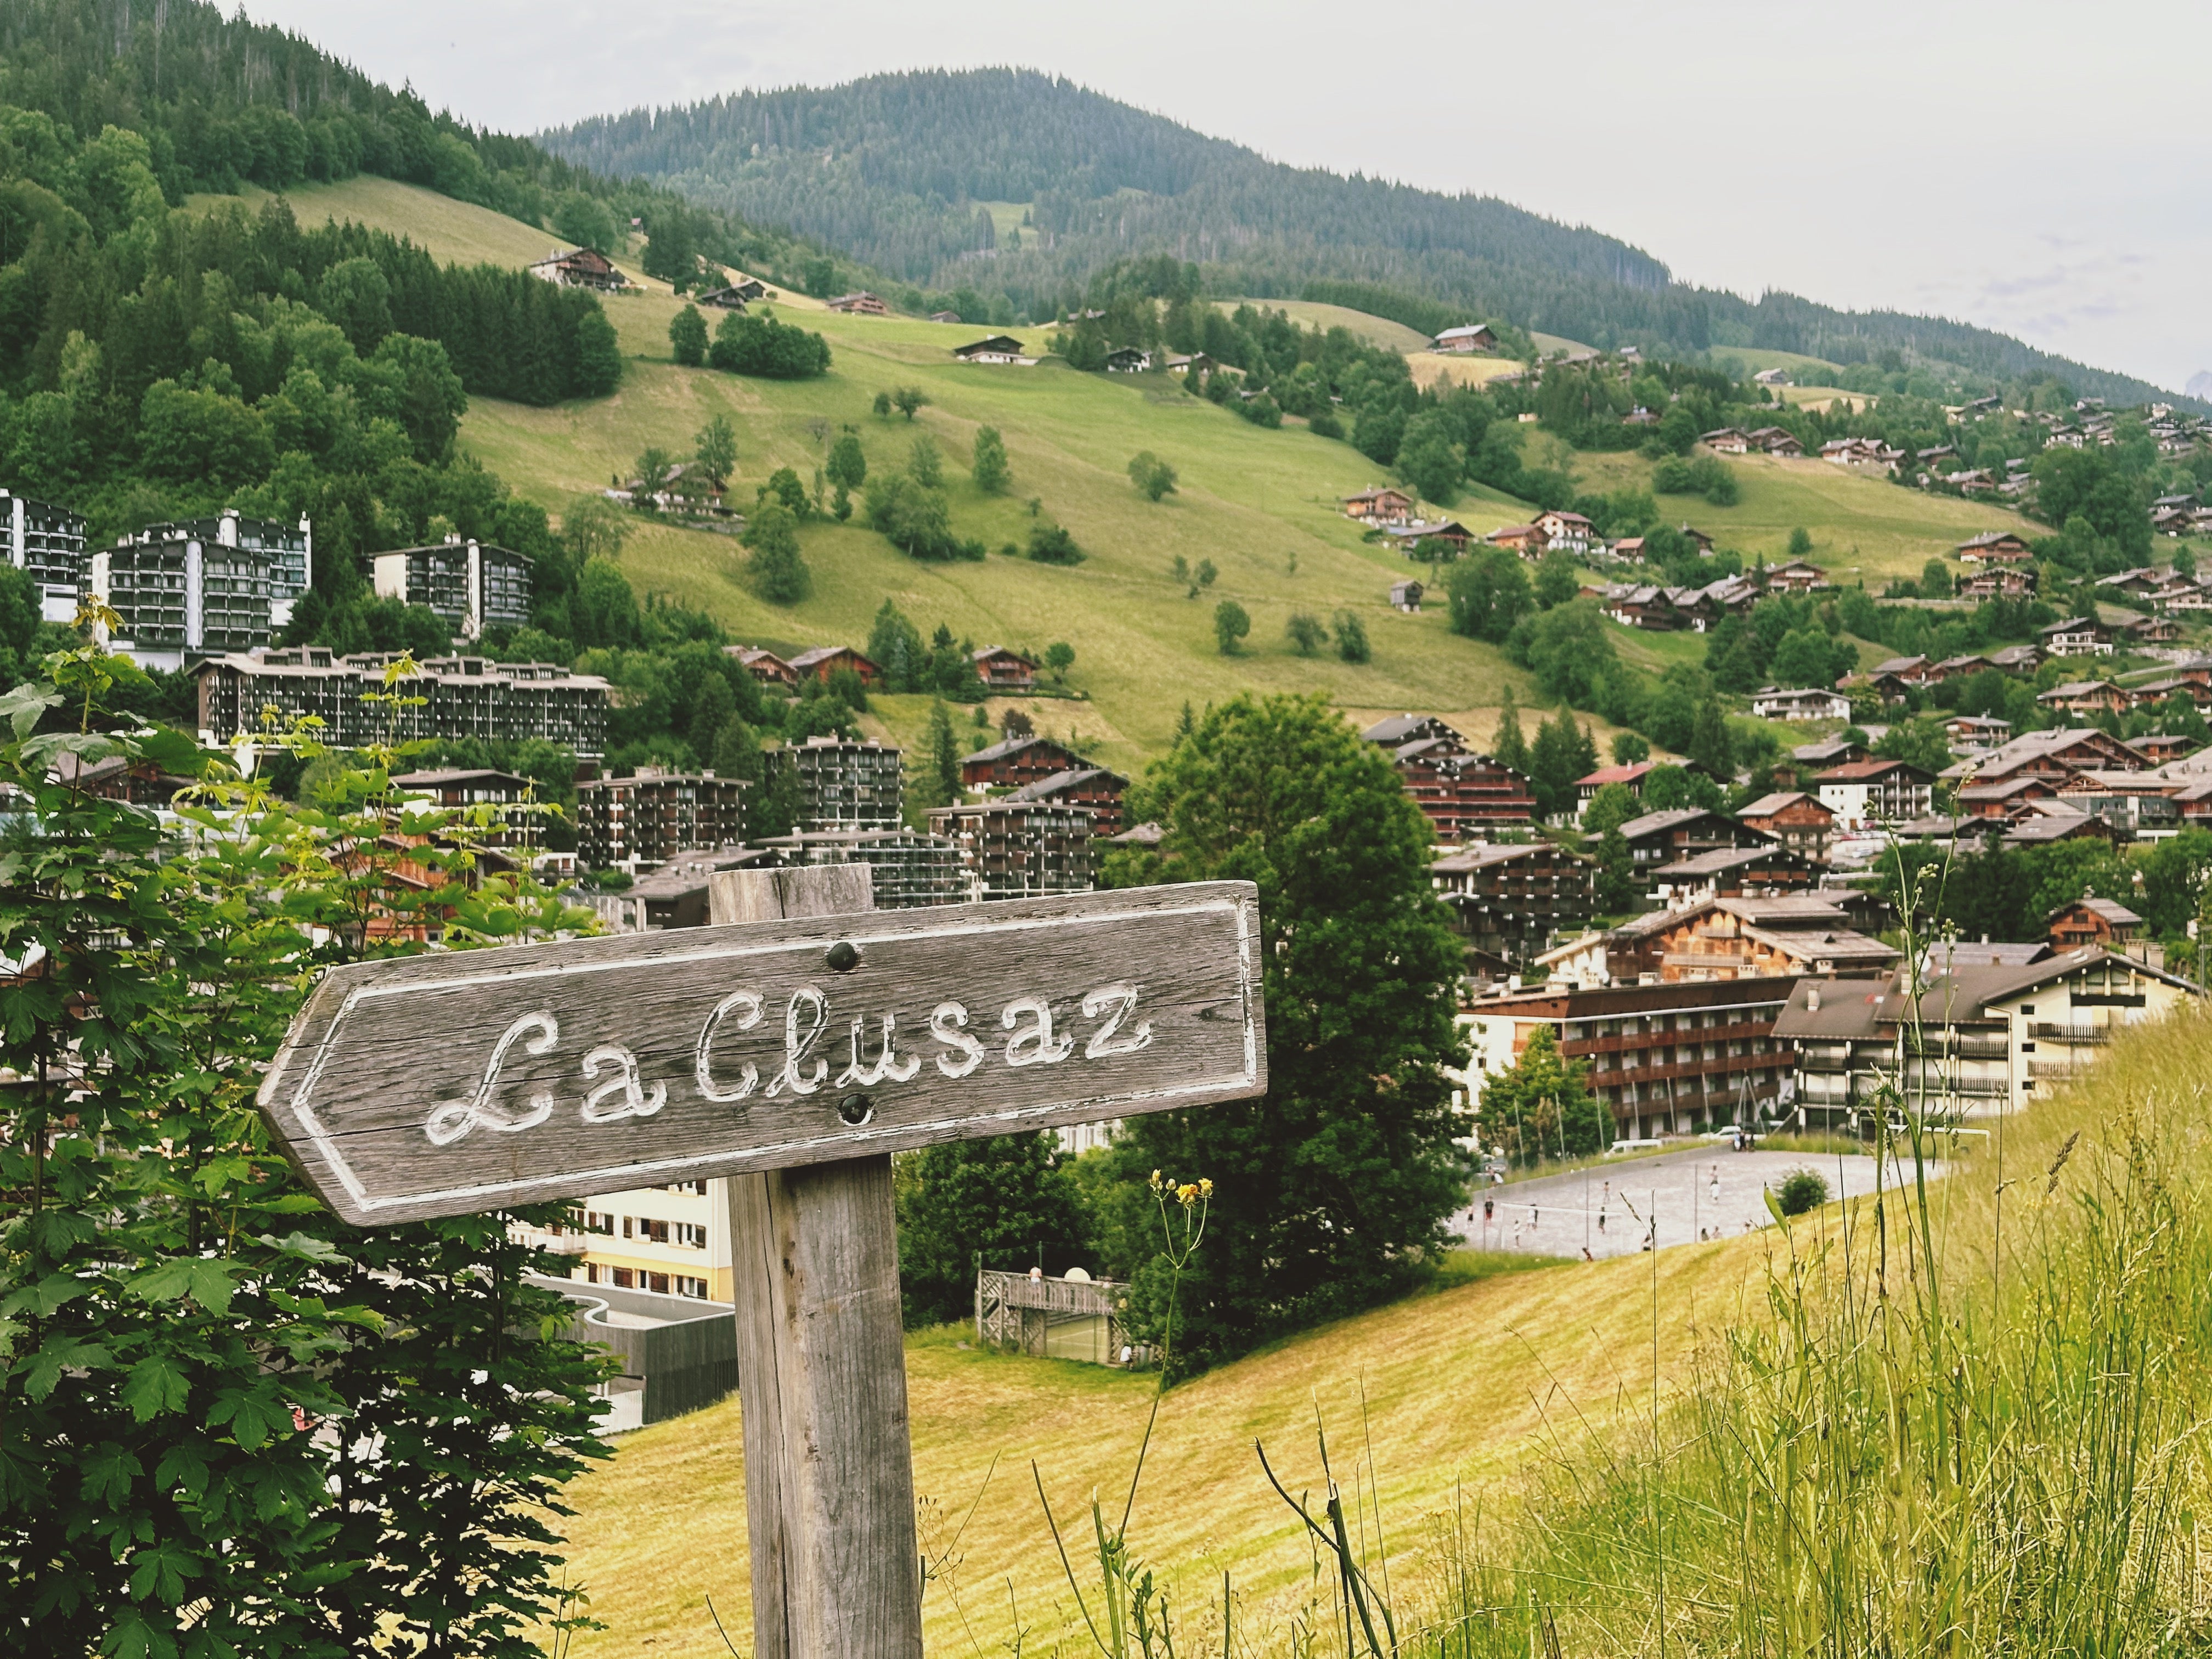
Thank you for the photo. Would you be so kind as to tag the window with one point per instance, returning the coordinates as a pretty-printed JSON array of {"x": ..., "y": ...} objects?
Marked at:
[
  {"x": 654, "y": 1282},
  {"x": 691, "y": 1287},
  {"x": 598, "y": 1221},
  {"x": 691, "y": 1237},
  {"x": 698, "y": 1187},
  {"x": 624, "y": 1278},
  {"x": 654, "y": 1231}
]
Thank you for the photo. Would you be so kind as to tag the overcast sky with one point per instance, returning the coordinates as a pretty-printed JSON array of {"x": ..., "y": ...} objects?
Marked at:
[{"x": 2039, "y": 168}]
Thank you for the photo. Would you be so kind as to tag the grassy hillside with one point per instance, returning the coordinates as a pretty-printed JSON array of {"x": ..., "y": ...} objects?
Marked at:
[
  {"x": 1312, "y": 314},
  {"x": 1863, "y": 528},
  {"x": 1250, "y": 501},
  {"x": 663, "y": 1526}
]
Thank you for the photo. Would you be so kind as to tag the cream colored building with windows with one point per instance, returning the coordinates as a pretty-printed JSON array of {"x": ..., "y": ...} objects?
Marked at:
[{"x": 673, "y": 1239}]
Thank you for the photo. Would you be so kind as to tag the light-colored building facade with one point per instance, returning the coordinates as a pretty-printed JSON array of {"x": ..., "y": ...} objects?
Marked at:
[{"x": 1983, "y": 1036}]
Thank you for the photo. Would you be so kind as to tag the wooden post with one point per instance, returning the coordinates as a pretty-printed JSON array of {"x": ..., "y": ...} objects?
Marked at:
[{"x": 822, "y": 1366}]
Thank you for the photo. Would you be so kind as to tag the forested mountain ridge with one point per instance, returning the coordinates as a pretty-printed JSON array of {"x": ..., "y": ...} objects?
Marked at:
[
  {"x": 894, "y": 169},
  {"x": 207, "y": 102}
]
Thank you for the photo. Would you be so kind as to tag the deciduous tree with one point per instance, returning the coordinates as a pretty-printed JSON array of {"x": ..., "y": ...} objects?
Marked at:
[{"x": 1331, "y": 1191}]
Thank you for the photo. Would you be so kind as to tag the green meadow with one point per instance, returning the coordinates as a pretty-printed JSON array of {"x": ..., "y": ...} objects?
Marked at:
[{"x": 1261, "y": 506}]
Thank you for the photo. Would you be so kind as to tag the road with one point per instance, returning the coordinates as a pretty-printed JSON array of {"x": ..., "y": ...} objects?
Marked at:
[{"x": 1706, "y": 1192}]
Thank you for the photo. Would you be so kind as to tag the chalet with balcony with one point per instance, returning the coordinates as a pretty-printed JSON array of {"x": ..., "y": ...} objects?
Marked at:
[
  {"x": 1091, "y": 787},
  {"x": 583, "y": 267},
  {"x": 1512, "y": 902},
  {"x": 1995, "y": 547},
  {"x": 995, "y": 349},
  {"x": 1665, "y": 837},
  {"x": 1003, "y": 669},
  {"x": 1017, "y": 762},
  {"x": 1379, "y": 505},
  {"x": 862, "y": 304},
  {"x": 764, "y": 666},
  {"x": 2076, "y": 636},
  {"x": 1798, "y": 820},
  {"x": 1797, "y": 576},
  {"x": 1799, "y": 703},
  {"x": 1471, "y": 336},
  {"x": 823, "y": 660},
  {"x": 1869, "y": 795}
]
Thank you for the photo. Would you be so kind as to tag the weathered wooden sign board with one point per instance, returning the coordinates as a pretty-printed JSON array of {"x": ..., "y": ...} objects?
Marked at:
[
  {"x": 444, "y": 1084},
  {"x": 792, "y": 1047}
]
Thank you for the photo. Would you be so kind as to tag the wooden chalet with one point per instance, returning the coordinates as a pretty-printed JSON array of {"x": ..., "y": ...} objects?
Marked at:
[
  {"x": 1380, "y": 505},
  {"x": 2076, "y": 636},
  {"x": 2017, "y": 658},
  {"x": 1092, "y": 787},
  {"x": 1527, "y": 541},
  {"x": 1800, "y": 703},
  {"x": 1645, "y": 605},
  {"x": 1737, "y": 936},
  {"x": 2014, "y": 798},
  {"x": 2059, "y": 753},
  {"x": 862, "y": 304},
  {"x": 1462, "y": 793},
  {"x": 1003, "y": 669},
  {"x": 764, "y": 666},
  {"x": 737, "y": 296},
  {"x": 1569, "y": 530},
  {"x": 583, "y": 267},
  {"x": 945, "y": 316},
  {"x": 1796, "y": 820},
  {"x": 823, "y": 660},
  {"x": 1129, "y": 360},
  {"x": 2092, "y": 920},
  {"x": 994, "y": 348},
  {"x": 1995, "y": 582},
  {"x": 1995, "y": 547},
  {"x": 1726, "y": 441},
  {"x": 1734, "y": 872},
  {"x": 1018, "y": 762},
  {"x": 2086, "y": 697},
  {"x": 1446, "y": 539},
  {"x": 1510, "y": 902},
  {"x": 1407, "y": 596},
  {"x": 1681, "y": 832},
  {"x": 1697, "y": 538},
  {"x": 1776, "y": 440},
  {"x": 1797, "y": 577},
  {"x": 2150, "y": 631},
  {"x": 1470, "y": 336},
  {"x": 2159, "y": 747}
]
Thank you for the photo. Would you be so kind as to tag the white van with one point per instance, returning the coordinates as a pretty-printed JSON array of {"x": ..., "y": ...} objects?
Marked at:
[{"x": 1620, "y": 1146}]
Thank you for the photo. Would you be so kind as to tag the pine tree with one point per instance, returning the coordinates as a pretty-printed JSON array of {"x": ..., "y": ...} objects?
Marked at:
[
  {"x": 944, "y": 778},
  {"x": 1507, "y": 746}
]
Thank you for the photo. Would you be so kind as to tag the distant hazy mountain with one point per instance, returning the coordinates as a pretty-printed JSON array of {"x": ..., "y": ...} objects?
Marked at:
[
  {"x": 893, "y": 169},
  {"x": 2200, "y": 385}
]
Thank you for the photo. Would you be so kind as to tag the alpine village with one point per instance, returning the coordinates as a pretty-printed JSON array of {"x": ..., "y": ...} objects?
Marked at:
[{"x": 1704, "y": 806}]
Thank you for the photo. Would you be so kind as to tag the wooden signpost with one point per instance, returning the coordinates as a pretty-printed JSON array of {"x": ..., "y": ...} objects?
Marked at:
[{"x": 793, "y": 1047}]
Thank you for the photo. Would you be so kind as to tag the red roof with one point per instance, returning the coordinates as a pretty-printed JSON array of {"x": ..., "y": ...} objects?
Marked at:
[{"x": 1606, "y": 774}]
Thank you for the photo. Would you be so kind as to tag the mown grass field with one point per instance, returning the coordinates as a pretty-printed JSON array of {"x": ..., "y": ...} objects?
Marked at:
[
  {"x": 1863, "y": 528},
  {"x": 1458, "y": 1387},
  {"x": 1252, "y": 501},
  {"x": 1311, "y": 313}
]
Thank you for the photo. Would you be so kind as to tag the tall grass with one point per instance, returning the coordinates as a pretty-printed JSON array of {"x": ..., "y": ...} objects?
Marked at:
[{"x": 1967, "y": 1420}]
